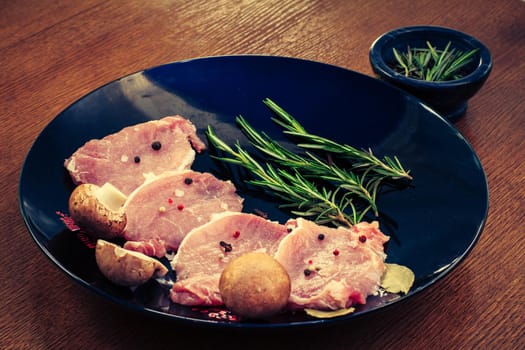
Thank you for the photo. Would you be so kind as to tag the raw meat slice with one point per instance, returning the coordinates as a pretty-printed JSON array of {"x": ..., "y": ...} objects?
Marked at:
[
  {"x": 169, "y": 206},
  {"x": 206, "y": 250},
  {"x": 332, "y": 268},
  {"x": 127, "y": 157}
]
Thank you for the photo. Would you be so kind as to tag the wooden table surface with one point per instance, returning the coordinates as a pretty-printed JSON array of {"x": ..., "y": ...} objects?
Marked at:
[{"x": 54, "y": 52}]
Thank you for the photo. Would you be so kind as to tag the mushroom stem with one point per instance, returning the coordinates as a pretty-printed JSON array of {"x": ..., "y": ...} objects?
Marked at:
[{"x": 110, "y": 196}]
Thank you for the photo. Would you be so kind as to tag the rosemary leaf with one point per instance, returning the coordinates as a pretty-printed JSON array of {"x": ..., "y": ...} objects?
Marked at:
[{"x": 401, "y": 61}]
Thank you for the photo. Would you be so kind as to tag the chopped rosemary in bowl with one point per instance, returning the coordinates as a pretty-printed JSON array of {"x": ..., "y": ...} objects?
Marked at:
[
  {"x": 441, "y": 66},
  {"x": 432, "y": 64}
]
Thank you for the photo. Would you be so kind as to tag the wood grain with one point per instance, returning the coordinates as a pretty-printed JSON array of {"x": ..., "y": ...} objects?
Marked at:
[{"x": 52, "y": 53}]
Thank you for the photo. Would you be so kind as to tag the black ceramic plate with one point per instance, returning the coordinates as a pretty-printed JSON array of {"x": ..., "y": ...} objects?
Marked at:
[{"x": 434, "y": 223}]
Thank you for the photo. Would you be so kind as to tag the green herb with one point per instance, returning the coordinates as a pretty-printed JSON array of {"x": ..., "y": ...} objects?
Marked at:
[
  {"x": 289, "y": 185},
  {"x": 311, "y": 166},
  {"x": 431, "y": 64},
  {"x": 309, "y": 185},
  {"x": 361, "y": 159}
]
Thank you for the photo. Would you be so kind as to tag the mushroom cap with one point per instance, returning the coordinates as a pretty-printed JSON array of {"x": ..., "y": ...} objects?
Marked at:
[{"x": 255, "y": 285}]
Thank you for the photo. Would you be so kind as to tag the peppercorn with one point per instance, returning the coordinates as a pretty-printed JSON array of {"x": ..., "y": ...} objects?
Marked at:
[
  {"x": 156, "y": 145},
  {"x": 320, "y": 237},
  {"x": 188, "y": 181},
  {"x": 227, "y": 246},
  {"x": 307, "y": 272},
  {"x": 136, "y": 159}
]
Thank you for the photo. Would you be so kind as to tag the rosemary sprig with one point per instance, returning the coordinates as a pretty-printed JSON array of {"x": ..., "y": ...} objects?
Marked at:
[
  {"x": 311, "y": 166},
  {"x": 309, "y": 185},
  {"x": 365, "y": 160},
  {"x": 431, "y": 64},
  {"x": 308, "y": 199}
]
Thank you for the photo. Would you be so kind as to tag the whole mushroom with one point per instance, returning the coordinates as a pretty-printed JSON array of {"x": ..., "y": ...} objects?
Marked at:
[
  {"x": 255, "y": 285},
  {"x": 98, "y": 210}
]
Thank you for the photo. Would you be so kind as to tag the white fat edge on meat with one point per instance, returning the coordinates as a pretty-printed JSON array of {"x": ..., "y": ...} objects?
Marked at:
[
  {"x": 187, "y": 161},
  {"x": 70, "y": 165}
]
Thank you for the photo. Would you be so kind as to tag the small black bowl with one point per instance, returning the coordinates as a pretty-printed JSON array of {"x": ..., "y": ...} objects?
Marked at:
[{"x": 448, "y": 98}]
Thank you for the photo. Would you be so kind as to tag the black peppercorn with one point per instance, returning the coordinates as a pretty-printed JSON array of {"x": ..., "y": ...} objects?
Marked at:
[
  {"x": 136, "y": 159},
  {"x": 227, "y": 246},
  {"x": 156, "y": 145}
]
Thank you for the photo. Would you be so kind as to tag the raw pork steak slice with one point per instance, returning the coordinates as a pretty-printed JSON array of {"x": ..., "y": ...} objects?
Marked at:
[
  {"x": 166, "y": 208},
  {"x": 206, "y": 250},
  {"x": 125, "y": 158},
  {"x": 332, "y": 268}
]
